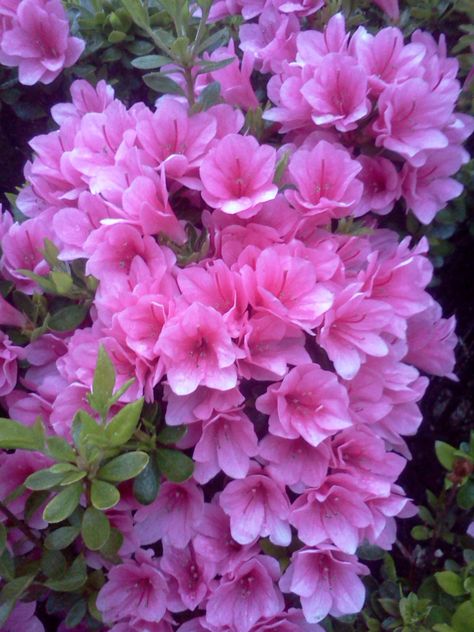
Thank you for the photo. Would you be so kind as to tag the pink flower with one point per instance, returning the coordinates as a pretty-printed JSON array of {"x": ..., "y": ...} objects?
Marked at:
[
  {"x": 23, "y": 618},
  {"x": 8, "y": 364},
  {"x": 39, "y": 42},
  {"x": 250, "y": 593},
  {"x": 308, "y": 403},
  {"x": 237, "y": 175},
  {"x": 336, "y": 511},
  {"x": 192, "y": 572},
  {"x": 213, "y": 541},
  {"x": 258, "y": 507},
  {"x": 431, "y": 342},
  {"x": 428, "y": 188},
  {"x": 326, "y": 181},
  {"x": 134, "y": 587},
  {"x": 337, "y": 93},
  {"x": 410, "y": 119},
  {"x": 381, "y": 185},
  {"x": 390, "y": 7},
  {"x": 352, "y": 330},
  {"x": 294, "y": 462},
  {"x": 327, "y": 582},
  {"x": 173, "y": 517},
  {"x": 285, "y": 285},
  {"x": 228, "y": 441},
  {"x": 196, "y": 349},
  {"x": 199, "y": 405}
]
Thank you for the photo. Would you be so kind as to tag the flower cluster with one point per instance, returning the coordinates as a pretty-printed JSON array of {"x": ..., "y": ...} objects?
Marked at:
[
  {"x": 34, "y": 36},
  {"x": 290, "y": 346}
]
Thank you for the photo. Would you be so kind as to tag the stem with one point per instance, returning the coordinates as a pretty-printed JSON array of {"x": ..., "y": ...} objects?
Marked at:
[
  {"x": 20, "y": 525},
  {"x": 440, "y": 517},
  {"x": 188, "y": 76}
]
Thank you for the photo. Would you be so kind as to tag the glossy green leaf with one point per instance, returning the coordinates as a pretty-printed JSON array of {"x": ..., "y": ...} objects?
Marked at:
[
  {"x": 463, "y": 618},
  {"x": 75, "y": 577},
  {"x": 95, "y": 529},
  {"x": 104, "y": 495},
  {"x": 163, "y": 84},
  {"x": 43, "y": 479},
  {"x": 445, "y": 454},
  {"x": 123, "y": 467},
  {"x": 150, "y": 62},
  {"x": 62, "y": 505},
  {"x": 147, "y": 483},
  {"x": 61, "y": 538},
  {"x": 175, "y": 465},
  {"x": 451, "y": 583},
  {"x": 420, "y": 533},
  {"x": 122, "y": 425},
  {"x": 68, "y": 318},
  {"x": 112, "y": 546}
]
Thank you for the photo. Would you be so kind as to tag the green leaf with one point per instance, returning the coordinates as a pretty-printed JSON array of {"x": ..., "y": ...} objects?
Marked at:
[
  {"x": 76, "y": 614},
  {"x": 150, "y": 62},
  {"x": 212, "y": 66},
  {"x": 118, "y": 394},
  {"x": 370, "y": 552},
  {"x": 62, "y": 468},
  {"x": 123, "y": 467},
  {"x": 171, "y": 434},
  {"x": 211, "y": 95},
  {"x": 138, "y": 12},
  {"x": 60, "y": 449},
  {"x": 3, "y": 537},
  {"x": 7, "y": 565},
  {"x": 73, "y": 477},
  {"x": 175, "y": 465},
  {"x": 122, "y": 425},
  {"x": 74, "y": 579},
  {"x": 463, "y": 618},
  {"x": 34, "y": 502},
  {"x": 95, "y": 529},
  {"x": 63, "y": 281},
  {"x": 15, "y": 588},
  {"x": 53, "y": 564},
  {"x": 43, "y": 479},
  {"x": 61, "y": 538},
  {"x": 163, "y": 84},
  {"x": 112, "y": 546},
  {"x": 115, "y": 37},
  {"x": 103, "y": 384},
  {"x": 451, "y": 583},
  {"x": 6, "y": 610},
  {"x": 46, "y": 284},
  {"x": 62, "y": 505},
  {"x": 104, "y": 495},
  {"x": 465, "y": 496},
  {"x": 420, "y": 532},
  {"x": 68, "y": 318},
  {"x": 147, "y": 483},
  {"x": 426, "y": 515},
  {"x": 14, "y": 435},
  {"x": 445, "y": 454}
]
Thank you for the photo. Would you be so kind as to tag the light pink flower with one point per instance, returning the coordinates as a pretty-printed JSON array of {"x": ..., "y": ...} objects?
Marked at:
[
  {"x": 258, "y": 507},
  {"x": 240, "y": 600},
  {"x": 336, "y": 511},
  {"x": 134, "y": 587},
  {"x": 173, "y": 517},
  {"x": 308, "y": 403},
  {"x": 227, "y": 442},
  {"x": 199, "y": 405},
  {"x": 237, "y": 175},
  {"x": 337, "y": 93},
  {"x": 39, "y": 42},
  {"x": 327, "y": 582},
  {"x": 197, "y": 350}
]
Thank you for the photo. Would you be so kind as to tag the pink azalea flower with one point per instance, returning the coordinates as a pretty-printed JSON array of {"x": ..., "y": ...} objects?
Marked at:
[
  {"x": 193, "y": 574},
  {"x": 39, "y": 42},
  {"x": 177, "y": 504},
  {"x": 250, "y": 593},
  {"x": 196, "y": 349},
  {"x": 352, "y": 330},
  {"x": 237, "y": 175},
  {"x": 8, "y": 364},
  {"x": 199, "y": 405},
  {"x": 338, "y": 92},
  {"x": 9, "y": 315},
  {"x": 382, "y": 186},
  {"x": 227, "y": 442},
  {"x": 431, "y": 342},
  {"x": 291, "y": 621},
  {"x": 23, "y": 618},
  {"x": 258, "y": 507},
  {"x": 326, "y": 181},
  {"x": 285, "y": 285},
  {"x": 428, "y": 188},
  {"x": 135, "y": 586},
  {"x": 213, "y": 541},
  {"x": 314, "y": 45},
  {"x": 85, "y": 98},
  {"x": 336, "y": 511},
  {"x": 327, "y": 582},
  {"x": 308, "y": 403},
  {"x": 390, "y": 7}
]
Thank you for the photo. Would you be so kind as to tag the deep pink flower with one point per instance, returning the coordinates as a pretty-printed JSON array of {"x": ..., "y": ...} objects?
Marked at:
[
  {"x": 382, "y": 185},
  {"x": 337, "y": 93},
  {"x": 227, "y": 442},
  {"x": 336, "y": 511},
  {"x": 197, "y": 350},
  {"x": 240, "y": 600},
  {"x": 327, "y": 582},
  {"x": 192, "y": 572},
  {"x": 39, "y": 42},
  {"x": 134, "y": 587},
  {"x": 326, "y": 181},
  {"x": 308, "y": 403},
  {"x": 258, "y": 507},
  {"x": 237, "y": 175},
  {"x": 173, "y": 517}
]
